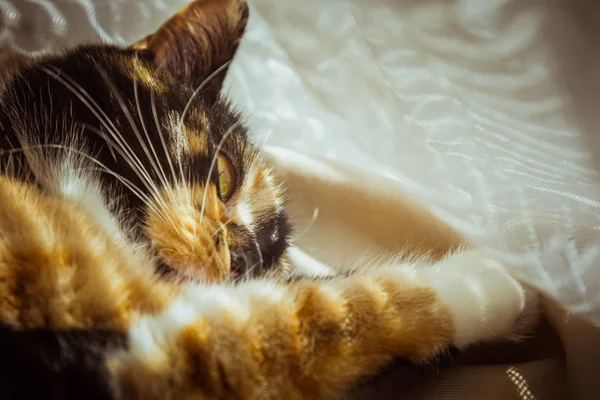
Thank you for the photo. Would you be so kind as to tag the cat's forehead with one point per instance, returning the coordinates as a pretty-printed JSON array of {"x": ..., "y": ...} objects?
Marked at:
[
  {"x": 104, "y": 89},
  {"x": 139, "y": 70},
  {"x": 100, "y": 70},
  {"x": 119, "y": 83}
]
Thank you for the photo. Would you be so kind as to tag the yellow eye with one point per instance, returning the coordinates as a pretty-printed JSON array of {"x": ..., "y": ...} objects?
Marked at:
[{"x": 226, "y": 172}]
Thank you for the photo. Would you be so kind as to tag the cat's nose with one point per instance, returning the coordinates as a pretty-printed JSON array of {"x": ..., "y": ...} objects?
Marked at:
[
  {"x": 246, "y": 262},
  {"x": 239, "y": 263}
]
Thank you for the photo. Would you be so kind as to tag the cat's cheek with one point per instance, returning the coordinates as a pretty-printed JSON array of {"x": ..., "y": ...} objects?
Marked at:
[{"x": 245, "y": 215}]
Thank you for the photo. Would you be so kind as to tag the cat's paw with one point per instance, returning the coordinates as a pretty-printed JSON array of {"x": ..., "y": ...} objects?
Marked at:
[
  {"x": 68, "y": 272},
  {"x": 488, "y": 303}
]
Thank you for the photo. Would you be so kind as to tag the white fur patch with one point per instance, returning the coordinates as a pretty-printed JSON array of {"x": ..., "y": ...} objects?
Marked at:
[
  {"x": 86, "y": 191},
  {"x": 143, "y": 343},
  {"x": 152, "y": 336},
  {"x": 244, "y": 212},
  {"x": 67, "y": 174},
  {"x": 264, "y": 290},
  {"x": 275, "y": 234},
  {"x": 485, "y": 300},
  {"x": 180, "y": 141}
]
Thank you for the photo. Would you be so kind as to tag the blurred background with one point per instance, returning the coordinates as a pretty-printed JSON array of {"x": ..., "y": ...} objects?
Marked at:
[{"x": 485, "y": 110}]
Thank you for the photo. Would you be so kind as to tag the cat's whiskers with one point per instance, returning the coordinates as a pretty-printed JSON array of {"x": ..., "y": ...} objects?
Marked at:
[
  {"x": 127, "y": 183},
  {"x": 73, "y": 86},
  {"x": 160, "y": 134},
  {"x": 222, "y": 226},
  {"x": 167, "y": 189},
  {"x": 129, "y": 156},
  {"x": 248, "y": 273},
  {"x": 245, "y": 257},
  {"x": 182, "y": 119},
  {"x": 309, "y": 225},
  {"x": 152, "y": 172},
  {"x": 199, "y": 89},
  {"x": 151, "y": 185},
  {"x": 159, "y": 210},
  {"x": 111, "y": 143},
  {"x": 119, "y": 144},
  {"x": 188, "y": 197},
  {"x": 155, "y": 161},
  {"x": 179, "y": 229}
]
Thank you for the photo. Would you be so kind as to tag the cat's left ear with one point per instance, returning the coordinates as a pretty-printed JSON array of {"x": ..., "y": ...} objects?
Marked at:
[{"x": 198, "y": 41}]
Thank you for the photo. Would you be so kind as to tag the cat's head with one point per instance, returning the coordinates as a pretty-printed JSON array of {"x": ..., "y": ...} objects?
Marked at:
[{"x": 150, "y": 120}]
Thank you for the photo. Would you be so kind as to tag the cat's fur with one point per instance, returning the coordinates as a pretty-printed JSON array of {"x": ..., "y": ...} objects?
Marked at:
[{"x": 110, "y": 181}]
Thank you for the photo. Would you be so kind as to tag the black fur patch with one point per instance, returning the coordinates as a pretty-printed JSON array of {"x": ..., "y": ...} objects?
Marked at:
[{"x": 45, "y": 364}]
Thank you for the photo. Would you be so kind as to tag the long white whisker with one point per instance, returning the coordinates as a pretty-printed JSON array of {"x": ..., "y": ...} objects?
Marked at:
[
  {"x": 310, "y": 224},
  {"x": 121, "y": 152},
  {"x": 131, "y": 186},
  {"x": 246, "y": 262},
  {"x": 151, "y": 184},
  {"x": 223, "y": 225},
  {"x": 168, "y": 188},
  {"x": 160, "y": 133},
  {"x": 111, "y": 143},
  {"x": 198, "y": 89},
  {"x": 55, "y": 73},
  {"x": 251, "y": 269},
  {"x": 160, "y": 169},
  {"x": 131, "y": 157},
  {"x": 181, "y": 174},
  {"x": 189, "y": 103}
]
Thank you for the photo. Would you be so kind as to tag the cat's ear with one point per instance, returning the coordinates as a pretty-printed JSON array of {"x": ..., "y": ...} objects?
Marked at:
[{"x": 198, "y": 41}]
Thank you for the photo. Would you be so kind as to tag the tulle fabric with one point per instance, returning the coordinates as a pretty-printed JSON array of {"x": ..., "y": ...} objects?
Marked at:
[{"x": 483, "y": 109}]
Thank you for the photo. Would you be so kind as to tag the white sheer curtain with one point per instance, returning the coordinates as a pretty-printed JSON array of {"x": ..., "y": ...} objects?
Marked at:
[{"x": 487, "y": 110}]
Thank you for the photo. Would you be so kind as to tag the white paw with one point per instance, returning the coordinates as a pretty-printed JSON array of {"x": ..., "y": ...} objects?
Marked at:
[{"x": 487, "y": 302}]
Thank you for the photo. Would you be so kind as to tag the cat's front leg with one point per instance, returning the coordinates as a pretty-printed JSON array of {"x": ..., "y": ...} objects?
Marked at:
[
  {"x": 61, "y": 270},
  {"x": 314, "y": 339}
]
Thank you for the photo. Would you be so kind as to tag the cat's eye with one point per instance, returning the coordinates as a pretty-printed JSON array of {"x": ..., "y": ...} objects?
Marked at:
[{"x": 226, "y": 172}]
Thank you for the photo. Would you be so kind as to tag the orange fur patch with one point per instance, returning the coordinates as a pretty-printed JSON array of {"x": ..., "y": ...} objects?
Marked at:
[
  {"x": 189, "y": 242},
  {"x": 197, "y": 143},
  {"x": 309, "y": 340},
  {"x": 139, "y": 71},
  {"x": 58, "y": 269}
]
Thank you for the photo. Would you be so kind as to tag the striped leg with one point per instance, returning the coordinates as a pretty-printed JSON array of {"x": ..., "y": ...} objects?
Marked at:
[{"x": 315, "y": 339}]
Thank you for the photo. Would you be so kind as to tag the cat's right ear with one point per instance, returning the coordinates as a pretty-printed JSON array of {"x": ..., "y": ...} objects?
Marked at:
[{"x": 198, "y": 41}]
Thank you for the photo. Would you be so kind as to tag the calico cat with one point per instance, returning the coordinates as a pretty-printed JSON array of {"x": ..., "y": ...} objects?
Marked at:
[{"x": 144, "y": 243}]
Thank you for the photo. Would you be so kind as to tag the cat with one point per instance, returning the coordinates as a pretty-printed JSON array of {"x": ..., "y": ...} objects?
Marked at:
[{"x": 144, "y": 242}]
